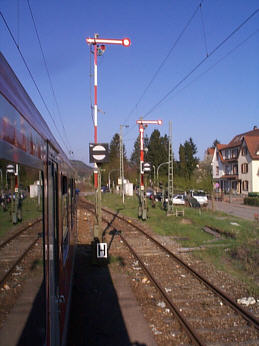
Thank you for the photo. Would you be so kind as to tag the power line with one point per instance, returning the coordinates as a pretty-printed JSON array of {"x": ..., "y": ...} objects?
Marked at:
[
  {"x": 165, "y": 59},
  {"x": 201, "y": 62},
  {"x": 18, "y": 22},
  {"x": 47, "y": 70},
  {"x": 30, "y": 73},
  {"x": 203, "y": 31},
  {"x": 220, "y": 60}
]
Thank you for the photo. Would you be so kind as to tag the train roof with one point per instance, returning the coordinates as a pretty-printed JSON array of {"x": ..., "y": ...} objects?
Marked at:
[{"x": 12, "y": 89}]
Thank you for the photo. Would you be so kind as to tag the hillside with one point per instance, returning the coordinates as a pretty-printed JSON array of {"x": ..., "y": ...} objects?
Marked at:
[{"x": 81, "y": 168}]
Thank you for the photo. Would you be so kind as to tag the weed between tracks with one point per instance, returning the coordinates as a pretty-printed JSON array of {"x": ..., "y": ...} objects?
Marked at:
[{"x": 238, "y": 256}]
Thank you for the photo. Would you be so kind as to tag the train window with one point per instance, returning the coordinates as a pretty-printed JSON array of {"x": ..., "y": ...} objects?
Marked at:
[
  {"x": 72, "y": 202},
  {"x": 65, "y": 225},
  {"x": 21, "y": 215},
  {"x": 64, "y": 184}
]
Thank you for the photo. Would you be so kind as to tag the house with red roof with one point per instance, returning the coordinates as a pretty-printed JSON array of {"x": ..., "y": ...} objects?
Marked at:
[
  {"x": 208, "y": 155},
  {"x": 235, "y": 166}
]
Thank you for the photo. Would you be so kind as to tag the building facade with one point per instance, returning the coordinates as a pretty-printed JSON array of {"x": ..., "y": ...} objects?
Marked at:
[{"x": 235, "y": 166}]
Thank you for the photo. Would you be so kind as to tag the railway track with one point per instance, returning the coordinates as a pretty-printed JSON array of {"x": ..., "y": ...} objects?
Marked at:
[
  {"x": 206, "y": 313},
  {"x": 14, "y": 249}
]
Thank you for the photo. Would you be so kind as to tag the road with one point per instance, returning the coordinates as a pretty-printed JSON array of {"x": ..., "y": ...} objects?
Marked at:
[{"x": 236, "y": 209}]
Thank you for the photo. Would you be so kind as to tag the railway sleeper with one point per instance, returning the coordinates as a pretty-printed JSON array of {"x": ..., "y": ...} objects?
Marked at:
[{"x": 229, "y": 333}]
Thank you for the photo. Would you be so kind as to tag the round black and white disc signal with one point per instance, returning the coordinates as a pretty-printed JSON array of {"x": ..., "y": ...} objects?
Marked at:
[
  {"x": 146, "y": 167},
  {"x": 98, "y": 152}
]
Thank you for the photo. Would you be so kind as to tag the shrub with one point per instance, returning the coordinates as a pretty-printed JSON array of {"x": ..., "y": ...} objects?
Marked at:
[
  {"x": 252, "y": 201},
  {"x": 253, "y": 194}
]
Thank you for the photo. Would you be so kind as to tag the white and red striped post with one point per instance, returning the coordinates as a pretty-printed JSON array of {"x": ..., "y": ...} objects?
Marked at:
[
  {"x": 95, "y": 41},
  {"x": 142, "y": 202},
  {"x": 141, "y": 135},
  {"x": 95, "y": 113}
]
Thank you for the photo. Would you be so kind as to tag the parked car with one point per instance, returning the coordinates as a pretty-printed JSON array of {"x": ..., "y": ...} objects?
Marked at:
[
  {"x": 179, "y": 199},
  {"x": 149, "y": 193},
  {"x": 158, "y": 196},
  {"x": 200, "y": 197}
]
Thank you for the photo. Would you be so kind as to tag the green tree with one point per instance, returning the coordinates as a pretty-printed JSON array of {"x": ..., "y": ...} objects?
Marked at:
[
  {"x": 135, "y": 156},
  {"x": 188, "y": 160},
  {"x": 182, "y": 161},
  {"x": 114, "y": 160},
  {"x": 114, "y": 148},
  {"x": 134, "y": 159},
  {"x": 158, "y": 152}
]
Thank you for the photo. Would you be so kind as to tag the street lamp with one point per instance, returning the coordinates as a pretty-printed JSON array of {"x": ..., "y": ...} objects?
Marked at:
[
  {"x": 122, "y": 161},
  {"x": 154, "y": 169},
  {"x": 161, "y": 164}
]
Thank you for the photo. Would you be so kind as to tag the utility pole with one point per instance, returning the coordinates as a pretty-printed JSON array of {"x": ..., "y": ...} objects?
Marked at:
[
  {"x": 170, "y": 206},
  {"x": 142, "y": 210},
  {"x": 122, "y": 163},
  {"x": 154, "y": 172}
]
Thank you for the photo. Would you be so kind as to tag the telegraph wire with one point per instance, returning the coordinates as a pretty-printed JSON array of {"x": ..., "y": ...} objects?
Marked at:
[
  {"x": 31, "y": 75},
  {"x": 165, "y": 59},
  {"x": 18, "y": 22},
  {"x": 201, "y": 62},
  {"x": 203, "y": 31},
  {"x": 48, "y": 74},
  {"x": 220, "y": 60}
]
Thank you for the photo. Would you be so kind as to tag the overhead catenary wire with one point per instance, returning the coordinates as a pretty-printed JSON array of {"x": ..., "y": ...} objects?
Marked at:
[
  {"x": 220, "y": 60},
  {"x": 33, "y": 79},
  {"x": 18, "y": 22},
  {"x": 173, "y": 89},
  {"x": 201, "y": 62},
  {"x": 203, "y": 31},
  {"x": 164, "y": 61},
  {"x": 48, "y": 74}
]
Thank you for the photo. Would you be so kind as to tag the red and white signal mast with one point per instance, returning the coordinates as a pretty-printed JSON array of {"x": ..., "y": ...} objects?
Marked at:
[
  {"x": 99, "y": 48},
  {"x": 142, "y": 202}
]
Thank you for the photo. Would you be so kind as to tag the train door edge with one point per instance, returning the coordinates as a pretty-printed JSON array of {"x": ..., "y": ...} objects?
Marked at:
[{"x": 53, "y": 250}]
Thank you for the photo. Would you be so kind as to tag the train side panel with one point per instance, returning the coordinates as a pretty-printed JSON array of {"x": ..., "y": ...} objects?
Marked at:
[{"x": 26, "y": 141}]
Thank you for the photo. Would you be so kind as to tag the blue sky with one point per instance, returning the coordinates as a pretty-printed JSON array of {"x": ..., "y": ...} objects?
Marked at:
[{"x": 219, "y": 100}]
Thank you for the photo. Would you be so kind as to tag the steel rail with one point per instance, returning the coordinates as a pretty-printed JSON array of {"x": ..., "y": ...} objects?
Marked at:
[
  {"x": 245, "y": 314},
  {"x": 18, "y": 261},
  {"x": 189, "y": 330},
  {"x": 19, "y": 232},
  {"x": 183, "y": 322},
  {"x": 229, "y": 301}
]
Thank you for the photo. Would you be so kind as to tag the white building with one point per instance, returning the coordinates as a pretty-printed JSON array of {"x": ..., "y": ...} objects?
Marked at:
[{"x": 235, "y": 166}]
